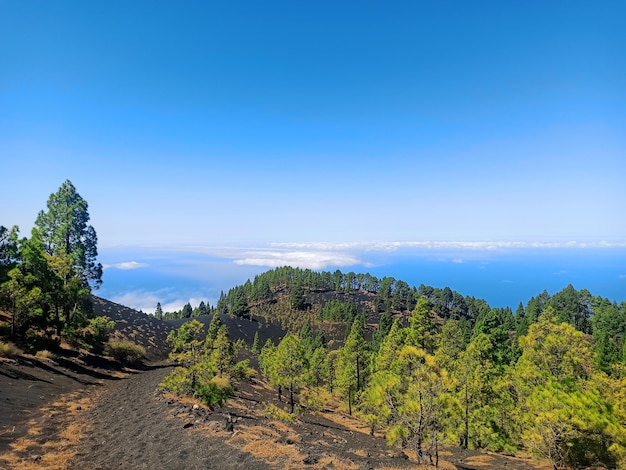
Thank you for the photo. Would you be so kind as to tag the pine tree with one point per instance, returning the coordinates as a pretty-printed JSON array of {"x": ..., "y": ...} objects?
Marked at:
[
  {"x": 352, "y": 365},
  {"x": 64, "y": 231},
  {"x": 256, "y": 345},
  {"x": 423, "y": 331}
]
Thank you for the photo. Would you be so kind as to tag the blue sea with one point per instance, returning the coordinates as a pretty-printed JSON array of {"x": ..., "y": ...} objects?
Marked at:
[{"x": 140, "y": 278}]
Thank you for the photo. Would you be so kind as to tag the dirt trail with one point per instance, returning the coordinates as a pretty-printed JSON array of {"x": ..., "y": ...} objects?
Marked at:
[
  {"x": 130, "y": 427},
  {"x": 131, "y": 424}
]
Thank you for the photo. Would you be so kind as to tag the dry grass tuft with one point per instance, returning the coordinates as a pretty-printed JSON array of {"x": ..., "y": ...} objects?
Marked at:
[
  {"x": 479, "y": 460},
  {"x": 282, "y": 427},
  {"x": 185, "y": 400},
  {"x": 22, "y": 444},
  {"x": 348, "y": 422},
  {"x": 45, "y": 354},
  {"x": 52, "y": 449},
  {"x": 332, "y": 461},
  {"x": 443, "y": 465},
  {"x": 9, "y": 350},
  {"x": 266, "y": 444}
]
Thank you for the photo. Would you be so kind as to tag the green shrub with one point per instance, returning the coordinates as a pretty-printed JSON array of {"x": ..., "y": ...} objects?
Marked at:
[
  {"x": 99, "y": 330},
  {"x": 9, "y": 350},
  {"x": 200, "y": 382},
  {"x": 273, "y": 412},
  {"x": 243, "y": 371},
  {"x": 125, "y": 351},
  {"x": 315, "y": 399}
]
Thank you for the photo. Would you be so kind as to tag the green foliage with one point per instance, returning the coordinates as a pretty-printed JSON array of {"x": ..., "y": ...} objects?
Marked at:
[
  {"x": 386, "y": 358},
  {"x": 186, "y": 343},
  {"x": 297, "y": 299},
  {"x": 352, "y": 364},
  {"x": 242, "y": 370},
  {"x": 125, "y": 351},
  {"x": 65, "y": 232},
  {"x": 223, "y": 351},
  {"x": 200, "y": 382},
  {"x": 575, "y": 428},
  {"x": 284, "y": 365},
  {"x": 417, "y": 402},
  {"x": 256, "y": 343},
  {"x": 423, "y": 331},
  {"x": 214, "y": 327},
  {"x": 238, "y": 305},
  {"x": 9, "y": 250},
  {"x": 46, "y": 280},
  {"x": 206, "y": 365},
  {"x": 553, "y": 350},
  {"x": 99, "y": 329},
  {"x": 384, "y": 326},
  {"x": 273, "y": 412}
]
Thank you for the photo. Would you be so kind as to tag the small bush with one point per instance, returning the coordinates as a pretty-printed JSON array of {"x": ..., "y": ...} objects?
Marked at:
[
  {"x": 100, "y": 329},
  {"x": 273, "y": 412},
  {"x": 200, "y": 382},
  {"x": 315, "y": 399},
  {"x": 243, "y": 371},
  {"x": 9, "y": 350},
  {"x": 125, "y": 351}
]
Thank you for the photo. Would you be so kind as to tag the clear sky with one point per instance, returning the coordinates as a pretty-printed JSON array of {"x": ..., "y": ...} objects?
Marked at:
[{"x": 262, "y": 122}]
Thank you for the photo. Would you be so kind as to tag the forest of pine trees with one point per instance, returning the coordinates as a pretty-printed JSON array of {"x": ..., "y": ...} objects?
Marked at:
[{"x": 440, "y": 368}]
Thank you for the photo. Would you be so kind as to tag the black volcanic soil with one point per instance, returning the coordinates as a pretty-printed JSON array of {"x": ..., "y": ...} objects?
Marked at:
[{"x": 132, "y": 426}]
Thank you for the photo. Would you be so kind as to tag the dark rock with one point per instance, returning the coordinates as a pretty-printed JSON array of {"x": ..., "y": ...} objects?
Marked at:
[
  {"x": 188, "y": 424},
  {"x": 310, "y": 460}
]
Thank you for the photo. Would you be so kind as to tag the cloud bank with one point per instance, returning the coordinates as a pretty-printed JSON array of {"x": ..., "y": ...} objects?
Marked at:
[
  {"x": 146, "y": 301},
  {"x": 125, "y": 266},
  {"x": 446, "y": 245},
  {"x": 303, "y": 259}
]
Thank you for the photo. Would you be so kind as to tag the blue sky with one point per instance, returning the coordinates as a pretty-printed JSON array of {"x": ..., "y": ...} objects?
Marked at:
[{"x": 242, "y": 125}]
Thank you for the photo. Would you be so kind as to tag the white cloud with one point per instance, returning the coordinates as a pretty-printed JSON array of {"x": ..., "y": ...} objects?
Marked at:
[
  {"x": 301, "y": 259},
  {"x": 445, "y": 245},
  {"x": 147, "y": 301},
  {"x": 125, "y": 266},
  {"x": 457, "y": 260}
]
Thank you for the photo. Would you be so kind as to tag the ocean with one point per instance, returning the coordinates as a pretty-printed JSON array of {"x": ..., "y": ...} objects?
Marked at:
[{"x": 140, "y": 278}]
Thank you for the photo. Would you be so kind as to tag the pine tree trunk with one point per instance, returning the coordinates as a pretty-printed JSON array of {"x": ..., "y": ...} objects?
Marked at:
[
  {"x": 420, "y": 430},
  {"x": 466, "y": 436},
  {"x": 350, "y": 401}
]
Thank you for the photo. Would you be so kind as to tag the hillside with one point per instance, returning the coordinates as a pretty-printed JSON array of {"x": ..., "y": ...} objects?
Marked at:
[
  {"x": 78, "y": 413},
  {"x": 135, "y": 326}
]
